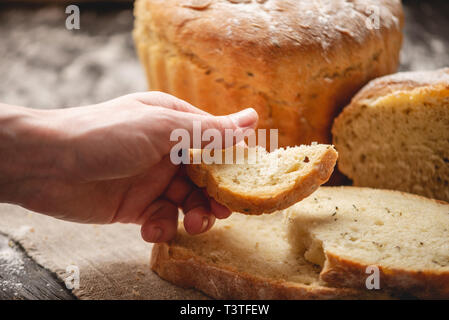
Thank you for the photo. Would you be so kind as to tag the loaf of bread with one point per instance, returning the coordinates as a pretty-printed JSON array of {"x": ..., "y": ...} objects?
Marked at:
[
  {"x": 395, "y": 134},
  {"x": 319, "y": 248},
  {"x": 268, "y": 182},
  {"x": 297, "y": 62}
]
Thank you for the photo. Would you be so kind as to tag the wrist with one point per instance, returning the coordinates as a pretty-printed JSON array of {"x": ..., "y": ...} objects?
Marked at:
[{"x": 30, "y": 152}]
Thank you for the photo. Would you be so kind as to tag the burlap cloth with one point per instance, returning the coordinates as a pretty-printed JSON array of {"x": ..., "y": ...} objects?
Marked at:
[{"x": 113, "y": 260}]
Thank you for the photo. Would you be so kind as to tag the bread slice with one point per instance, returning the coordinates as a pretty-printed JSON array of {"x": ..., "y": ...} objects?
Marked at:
[
  {"x": 242, "y": 257},
  {"x": 319, "y": 248},
  {"x": 395, "y": 134},
  {"x": 346, "y": 229},
  {"x": 271, "y": 182}
]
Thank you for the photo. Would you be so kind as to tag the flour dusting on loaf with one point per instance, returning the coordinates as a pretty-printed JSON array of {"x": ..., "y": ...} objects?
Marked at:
[{"x": 296, "y": 62}]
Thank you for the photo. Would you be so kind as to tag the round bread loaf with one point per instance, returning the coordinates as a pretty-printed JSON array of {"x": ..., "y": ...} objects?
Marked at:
[
  {"x": 295, "y": 61},
  {"x": 395, "y": 134}
]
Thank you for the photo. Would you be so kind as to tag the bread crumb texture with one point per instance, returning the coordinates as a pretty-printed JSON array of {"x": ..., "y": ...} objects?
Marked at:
[{"x": 344, "y": 230}]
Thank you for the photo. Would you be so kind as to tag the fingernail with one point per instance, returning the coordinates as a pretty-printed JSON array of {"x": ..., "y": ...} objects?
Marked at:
[
  {"x": 205, "y": 224},
  {"x": 155, "y": 234},
  {"x": 245, "y": 118}
]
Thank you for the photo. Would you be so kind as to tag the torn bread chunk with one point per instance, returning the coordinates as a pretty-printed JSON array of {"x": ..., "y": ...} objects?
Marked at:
[{"x": 261, "y": 181}]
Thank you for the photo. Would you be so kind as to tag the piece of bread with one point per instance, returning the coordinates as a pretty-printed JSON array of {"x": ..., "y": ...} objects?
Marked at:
[
  {"x": 346, "y": 229},
  {"x": 242, "y": 257},
  {"x": 297, "y": 62},
  {"x": 271, "y": 181},
  {"x": 395, "y": 134}
]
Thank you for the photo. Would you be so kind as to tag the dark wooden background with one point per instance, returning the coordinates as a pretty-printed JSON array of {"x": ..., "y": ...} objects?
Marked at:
[{"x": 44, "y": 65}]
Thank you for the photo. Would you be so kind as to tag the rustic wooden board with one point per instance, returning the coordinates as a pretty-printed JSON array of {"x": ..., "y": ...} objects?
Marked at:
[{"x": 22, "y": 278}]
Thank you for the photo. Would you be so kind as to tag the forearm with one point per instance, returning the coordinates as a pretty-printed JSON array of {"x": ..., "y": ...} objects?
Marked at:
[{"x": 28, "y": 152}]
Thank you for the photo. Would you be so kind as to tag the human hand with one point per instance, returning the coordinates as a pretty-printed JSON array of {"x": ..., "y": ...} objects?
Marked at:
[{"x": 110, "y": 162}]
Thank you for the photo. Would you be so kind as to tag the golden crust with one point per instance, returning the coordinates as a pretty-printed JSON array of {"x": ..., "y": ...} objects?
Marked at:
[
  {"x": 183, "y": 268},
  {"x": 423, "y": 81},
  {"x": 424, "y": 284},
  {"x": 297, "y": 70},
  {"x": 269, "y": 30},
  {"x": 433, "y": 80},
  {"x": 320, "y": 173}
]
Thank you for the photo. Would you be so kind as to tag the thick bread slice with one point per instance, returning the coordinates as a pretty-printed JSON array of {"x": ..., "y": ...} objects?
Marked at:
[
  {"x": 276, "y": 181},
  {"x": 242, "y": 257},
  {"x": 395, "y": 134},
  {"x": 347, "y": 229}
]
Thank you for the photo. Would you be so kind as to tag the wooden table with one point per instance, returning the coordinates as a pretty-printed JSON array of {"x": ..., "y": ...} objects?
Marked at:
[{"x": 426, "y": 46}]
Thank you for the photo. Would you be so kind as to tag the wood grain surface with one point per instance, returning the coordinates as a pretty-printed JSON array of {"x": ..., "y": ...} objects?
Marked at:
[{"x": 22, "y": 278}]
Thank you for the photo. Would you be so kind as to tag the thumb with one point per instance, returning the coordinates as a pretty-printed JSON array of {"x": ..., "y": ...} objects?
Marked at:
[
  {"x": 237, "y": 122},
  {"x": 245, "y": 119},
  {"x": 197, "y": 127}
]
